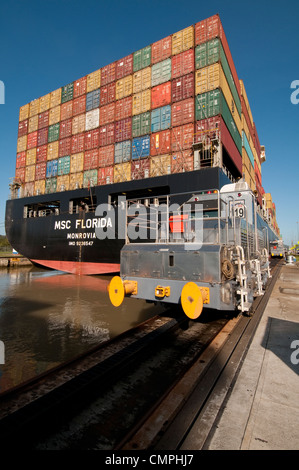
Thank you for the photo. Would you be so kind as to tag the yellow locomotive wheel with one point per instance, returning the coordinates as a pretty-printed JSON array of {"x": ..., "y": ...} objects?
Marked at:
[
  {"x": 116, "y": 291},
  {"x": 191, "y": 300}
]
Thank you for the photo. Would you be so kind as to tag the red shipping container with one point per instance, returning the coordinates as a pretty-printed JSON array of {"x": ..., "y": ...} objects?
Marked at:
[
  {"x": 79, "y": 87},
  {"x": 247, "y": 118},
  {"x": 105, "y": 175},
  {"x": 161, "y": 142},
  {"x": 41, "y": 153},
  {"x": 107, "y": 114},
  {"x": 66, "y": 110},
  {"x": 92, "y": 139},
  {"x": 211, "y": 28},
  {"x": 214, "y": 127},
  {"x": 182, "y": 161},
  {"x": 123, "y": 108},
  {"x": 91, "y": 158},
  {"x": 183, "y": 63},
  {"x": 161, "y": 95},
  {"x": 20, "y": 174},
  {"x": 108, "y": 74},
  {"x": 23, "y": 128},
  {"x": 182, "y": 137},
  {"x": 42, "y": 137},
  {"x": 107, "y": 94},
  {"x": 65, "y": 129},
  {"x": 43, "y": 120},
  {"x": 124, "y": 67},
  {"x": 123, "y": 130},
  {"x": 77, "y": 144},
  {"x": 183, "y": 87},
  {"x": 21, "y": 160},
  {"x": 107, "y": 134},
  {"x": 32, "y": 140},
  {"x": 140, "y": 169},
  {"x": 161, "y": 50},
  {"x": 65, "y": 146},
  {"x": 182, "y": 112},
  {"x": 106, "y": 156},
  {"x": 79, "y": 105},
  {"x": 40, "y": 171}
]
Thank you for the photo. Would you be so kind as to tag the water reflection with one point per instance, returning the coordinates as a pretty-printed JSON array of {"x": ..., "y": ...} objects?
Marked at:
[{"x": 48, "y": 317}]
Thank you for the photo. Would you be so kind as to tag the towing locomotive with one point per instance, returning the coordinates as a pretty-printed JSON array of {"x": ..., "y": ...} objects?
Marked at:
[{"x": 207, "y": 249}]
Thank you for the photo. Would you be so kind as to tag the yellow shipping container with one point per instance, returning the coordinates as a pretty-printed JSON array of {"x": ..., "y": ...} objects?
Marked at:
[
  {"x": 141, "y": 102},
  {"x": 244, "y": 94},
  {"x": 247, "y": 162},
  {"x": 34, "y": 107},
  {"x": 93, "y": 81},
  {"x": 63, "y": 183},
  {"x": 160, "y": 165},
  {"x": 55, "y": 98},
  {"x": 142, "y": 80},
  {"x": 124, "y": 87},
  {"x": 29, "y": 173},
  {"x": 31, "y": 156},
  {"x": 78, "y": 124},
  {"x": 44, "y": 103},
  {"x": 76, "y": 180},
  {"x": 33, "y": 124},
  {"x": 182, "y": 40},
  {"x": 248, "y": 178},
  {"x": 24, "y": 112},
  {"x": 245, "y": 127},
  {"x": 22, "y": 144},
  {"x": 212, "y": 77},
  {"x": 122, "y": 172},
  {"x": 39, "y": 187},
  {"x": 52, "y": 153},
  {"x": 77, "y": 162},
  {"x": 54, "y": 115}
]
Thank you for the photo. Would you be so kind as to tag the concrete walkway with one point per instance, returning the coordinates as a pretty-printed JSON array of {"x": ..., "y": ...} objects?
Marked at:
[{"x": 262, "y": 412}]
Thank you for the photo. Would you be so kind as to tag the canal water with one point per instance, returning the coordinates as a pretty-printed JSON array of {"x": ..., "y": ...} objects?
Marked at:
[{"x": 49, "y": 317}]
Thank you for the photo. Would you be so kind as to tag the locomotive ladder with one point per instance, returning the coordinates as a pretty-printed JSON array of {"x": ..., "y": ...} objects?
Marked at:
[{"x": 243, "y": 290}]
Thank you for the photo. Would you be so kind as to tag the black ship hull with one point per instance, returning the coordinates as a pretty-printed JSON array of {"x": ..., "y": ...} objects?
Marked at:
[{"x": 52, "y": 231}]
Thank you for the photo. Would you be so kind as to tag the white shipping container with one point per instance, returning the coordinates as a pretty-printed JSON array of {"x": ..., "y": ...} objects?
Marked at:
[
  {"x": 92, "y": 119},
  {"x": 161, "y": 72}
]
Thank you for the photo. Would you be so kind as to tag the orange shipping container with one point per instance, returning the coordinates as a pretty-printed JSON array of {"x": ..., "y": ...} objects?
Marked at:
[
  {"x": 182, "y": 161},
  {"x": 32, "y": 140},
  {"x": 108, "y": 74},
  {"x": 182, "y": 137},
  {"x": 123, "y": 108},
  {"x": 182, "y": 112},
  {"x": 105, "y": 175},
  {"x": 107, "y": 114},
  {"x": 79, "y": 105},
  {"x": 161, "y": 142},
  {"x": 161, "y": 95},
  {"x": 106, "y": 155},
  {"x": 66, "y": 110},
  {"x": 124, "y": 67},
  {"x": 161, "y": 50},
  {"x": 182, "y": 63},
  {"x": 80, "y": 87}
]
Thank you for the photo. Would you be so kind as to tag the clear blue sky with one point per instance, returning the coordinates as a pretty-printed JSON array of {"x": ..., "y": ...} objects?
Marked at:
[{"x": 47, "y": 44}]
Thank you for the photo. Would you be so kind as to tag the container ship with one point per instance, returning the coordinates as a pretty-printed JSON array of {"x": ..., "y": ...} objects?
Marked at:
[{"x": 171, "y": 117}]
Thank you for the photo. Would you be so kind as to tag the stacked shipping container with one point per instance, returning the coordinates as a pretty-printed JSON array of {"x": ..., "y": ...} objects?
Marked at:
[{"x": 140, "y": 116}]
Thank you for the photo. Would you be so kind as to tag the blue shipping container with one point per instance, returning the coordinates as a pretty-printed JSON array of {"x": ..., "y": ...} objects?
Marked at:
[
  {"x": 247, "y": 148},
  {"x": 161, "y": 118},
  {"x": 52, "y": 167},
  {"x": 141, "y": 147},
  {"x": 93, "y": 100}
]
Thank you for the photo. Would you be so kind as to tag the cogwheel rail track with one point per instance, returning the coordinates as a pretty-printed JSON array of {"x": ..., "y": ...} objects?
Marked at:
[{"x": 106, "y": 399}]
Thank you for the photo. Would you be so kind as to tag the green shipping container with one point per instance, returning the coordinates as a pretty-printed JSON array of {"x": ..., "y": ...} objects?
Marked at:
[
  {"x": 213, "y": 103},
  {"x": 51, "y": 185},
  {"x": 53, "y": 133},
  {"x": 211, "y": 52},
  {"x": 67, "y": 93},
  {"x": 141, "y": 124},
  {"x": 64, "y": 165},
  {"x": 90, "y": 178},
  {"x": 142, "y": 58}
]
